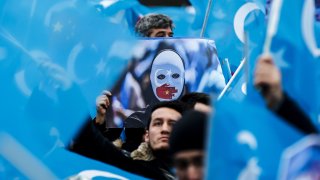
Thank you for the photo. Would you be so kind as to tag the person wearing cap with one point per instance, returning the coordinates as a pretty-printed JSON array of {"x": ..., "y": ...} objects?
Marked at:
[
  {"x": 154, "y": 25},
  {"x": 187, "y": 145},
  {"x": 152, "y": 158},
  {"x": 198, "y": 101}
]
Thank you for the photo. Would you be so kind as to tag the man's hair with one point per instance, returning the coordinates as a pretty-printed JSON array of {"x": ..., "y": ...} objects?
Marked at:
[
  {"x": 152, "y": 21},
  {"x": 196, "y": 97},
  {"x": 176, "y": 105}
]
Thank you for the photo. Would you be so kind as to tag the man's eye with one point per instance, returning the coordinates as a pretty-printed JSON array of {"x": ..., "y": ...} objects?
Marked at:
[
  {"x": 157, "y": 124},
  {"x": 160, "y": 35},
  {"x": 175, "y": 75},
  {"x": 161, "y": 76}
]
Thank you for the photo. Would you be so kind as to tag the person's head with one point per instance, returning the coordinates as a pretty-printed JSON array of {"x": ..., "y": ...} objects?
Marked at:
[
  {"x": 187, "y": 145},
  {"x": 163, "y": 116},
  {"x": 154, "y": 25},
  {"x": 198, "y": 101}
]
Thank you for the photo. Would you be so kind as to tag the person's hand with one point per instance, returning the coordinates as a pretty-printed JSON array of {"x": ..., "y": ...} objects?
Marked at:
[
  {"x": 102, "y": 104},
  {"x": 267, "y": 81}
]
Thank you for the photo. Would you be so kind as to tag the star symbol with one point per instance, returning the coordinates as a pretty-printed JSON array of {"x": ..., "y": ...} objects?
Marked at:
[
  {"x": 57, "y": 27},
  {"x": 278, "y": 59},
  {"x": 169, "y": 72},
  {"x": 219, "y": 14},
  {"x": 167, "y": 92},
  {"x": 100, "y": 67}
]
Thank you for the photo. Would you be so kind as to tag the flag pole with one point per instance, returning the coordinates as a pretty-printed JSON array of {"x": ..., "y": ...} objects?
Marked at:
[
  {"x": 272, "y": 25},
  {"x": 206, "y": 17},
  {"x": 237, "y": 73}
]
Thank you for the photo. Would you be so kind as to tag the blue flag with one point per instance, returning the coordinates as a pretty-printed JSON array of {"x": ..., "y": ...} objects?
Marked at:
[
  {"x": 228, "y": 20},
  {"x": 296, "y": 52},
  {"x": 246, "y": 141},
  {"x": 55, "y": 58}
]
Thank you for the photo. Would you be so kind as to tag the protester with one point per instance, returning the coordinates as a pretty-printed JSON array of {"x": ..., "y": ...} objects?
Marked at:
[
  {"x": 188, "y": 144},
  {"x": 154, "y": 25},
  {"x": 152, "y": 159},
  {"x": 267, "y": 80},
  {"x": 198, "y": 101}
]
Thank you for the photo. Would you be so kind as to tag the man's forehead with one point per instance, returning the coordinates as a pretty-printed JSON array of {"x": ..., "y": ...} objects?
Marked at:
[{"x": 164, "y": 111}]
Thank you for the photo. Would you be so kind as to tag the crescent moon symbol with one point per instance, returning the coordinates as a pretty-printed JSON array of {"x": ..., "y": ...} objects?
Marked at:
[
  {"x": 56, "y": 8},
  {"x": 308, "y": 29},
  {"x": 246, "y": 137},
  {"x": 21, "y": 83},
  {"x": 240, "y": 17},
  {"x": 71, "y": 63}
]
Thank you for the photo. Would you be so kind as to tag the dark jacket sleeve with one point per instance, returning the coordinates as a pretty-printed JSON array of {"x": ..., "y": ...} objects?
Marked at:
[
  {"x": 91, "y": 143},
  {"x": 294, "y": 115}
]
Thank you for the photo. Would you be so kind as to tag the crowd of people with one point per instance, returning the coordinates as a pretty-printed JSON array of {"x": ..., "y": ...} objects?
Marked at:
[{"x": 167, "y": 140}]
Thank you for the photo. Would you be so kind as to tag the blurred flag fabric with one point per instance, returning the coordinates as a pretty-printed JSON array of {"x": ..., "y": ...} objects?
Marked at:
[
  {"x": 242, "y": 133},
  {"x": 227, "y": 22},
  {"x": 301, "y": 160},
  {"x": 236, "y": 88},
  {"x": 295, "y": 49},
  {"x": 246, "y": 141},
  {"x": 55, "y": 59}
]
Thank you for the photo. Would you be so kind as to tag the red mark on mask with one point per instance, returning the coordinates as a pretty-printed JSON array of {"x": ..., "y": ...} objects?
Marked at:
[{"x": 165, "y": 91}]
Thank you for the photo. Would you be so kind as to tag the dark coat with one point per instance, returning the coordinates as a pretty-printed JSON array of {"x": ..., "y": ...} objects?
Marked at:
[
  {"x": 91, "y": 143},
  {"x": 293, "y": 114}
]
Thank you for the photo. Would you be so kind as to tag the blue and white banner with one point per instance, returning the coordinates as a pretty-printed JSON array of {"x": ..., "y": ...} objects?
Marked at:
[{"x": 166, "y": 69}]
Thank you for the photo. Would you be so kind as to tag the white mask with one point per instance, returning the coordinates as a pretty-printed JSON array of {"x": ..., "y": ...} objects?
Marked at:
[{"x": 167, "y": 75}]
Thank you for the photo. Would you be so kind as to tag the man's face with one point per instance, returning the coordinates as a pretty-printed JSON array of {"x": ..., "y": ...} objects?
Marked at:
[
  {"x": 163, "y": 32},
  {"x": 189, "y": 164},
  {"x": 162, "y": 121}
]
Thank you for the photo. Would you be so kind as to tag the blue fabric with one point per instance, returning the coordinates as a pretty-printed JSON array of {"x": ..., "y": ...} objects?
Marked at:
[
  {"x": 55, "y": 58},
  {"x": 300, "y": 69},
  {"x": 246, "y": 141},
  {"x": 221, "y": 26}
]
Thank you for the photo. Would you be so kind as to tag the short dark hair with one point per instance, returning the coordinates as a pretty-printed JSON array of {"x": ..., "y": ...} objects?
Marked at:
[
  {"x": 196, "y": 97},
  {"x": 176, "y": 105},
  {"x": 152, "y": 21}
]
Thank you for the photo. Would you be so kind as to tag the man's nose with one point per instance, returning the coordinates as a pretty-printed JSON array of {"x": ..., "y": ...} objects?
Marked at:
[
  {"x": 193, "y": 172},
  {"x": 166, "y": 128}
]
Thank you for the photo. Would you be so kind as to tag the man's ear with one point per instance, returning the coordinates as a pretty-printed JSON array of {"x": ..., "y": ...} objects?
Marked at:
[{"x": 146, "y": 136}]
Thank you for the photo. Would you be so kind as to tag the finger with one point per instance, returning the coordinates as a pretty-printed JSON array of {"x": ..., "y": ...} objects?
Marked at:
[
  {"x": 107, "y": 93},
  {"x": 265, "y": 58}
]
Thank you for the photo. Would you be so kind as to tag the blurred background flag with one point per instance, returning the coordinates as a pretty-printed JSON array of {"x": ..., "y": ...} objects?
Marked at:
[
  {"x": 227, "y": 22},
  {"x": 236, "y": 88},
  {"x": 246, "y": 141},
  {"x": 296, "y": 52},
  {"x": 55, "y": 58}
]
